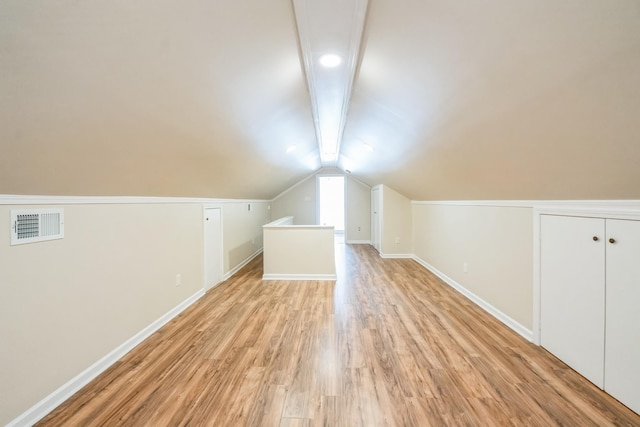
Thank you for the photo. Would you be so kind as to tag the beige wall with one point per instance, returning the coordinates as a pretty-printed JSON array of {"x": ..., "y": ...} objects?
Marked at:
[
  {"x": 64, "y": 304},
  {"x": 495, "y": 242},
  {"x": 299, "y": 202},
  {"x": 299, "y": 251},
  {"x": 358, "y": 211},
  {"x": 242, "y": 231},
  {"x": 396, "y": 235}
]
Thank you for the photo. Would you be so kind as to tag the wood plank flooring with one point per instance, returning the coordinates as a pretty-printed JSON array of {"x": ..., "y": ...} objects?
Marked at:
[{"x": 388, "y": 344}]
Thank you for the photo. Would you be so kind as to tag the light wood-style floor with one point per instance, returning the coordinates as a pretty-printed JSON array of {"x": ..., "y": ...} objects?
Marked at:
[{"x": 387, "y": 344}]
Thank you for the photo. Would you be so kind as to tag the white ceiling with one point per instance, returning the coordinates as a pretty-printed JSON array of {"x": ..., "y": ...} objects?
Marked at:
[{"x": 482, "y": 99}]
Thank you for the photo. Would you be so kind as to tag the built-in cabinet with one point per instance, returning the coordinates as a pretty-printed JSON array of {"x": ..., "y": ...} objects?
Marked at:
[{"x": 590, "y": 299}]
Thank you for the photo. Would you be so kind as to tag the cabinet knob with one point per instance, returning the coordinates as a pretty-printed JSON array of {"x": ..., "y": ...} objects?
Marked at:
[
  {"x": 612, "y": 240},
  {"x": 595, "y": 238}
]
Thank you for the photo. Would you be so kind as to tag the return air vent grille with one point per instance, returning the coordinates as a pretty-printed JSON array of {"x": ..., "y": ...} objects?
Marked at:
[{"x": 36, "y": 225}]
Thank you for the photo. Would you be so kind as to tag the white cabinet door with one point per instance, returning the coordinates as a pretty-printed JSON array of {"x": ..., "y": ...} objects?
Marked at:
[
  {"x": 622, "y": 349},
  {"x": 572, "y": 291}
]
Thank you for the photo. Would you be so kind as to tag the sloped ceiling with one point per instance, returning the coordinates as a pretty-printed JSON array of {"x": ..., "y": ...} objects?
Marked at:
[
  {"x": 499, "y": 99},
  {"x": 491, "y": 99},
  {"x": 192, "y": 98}
]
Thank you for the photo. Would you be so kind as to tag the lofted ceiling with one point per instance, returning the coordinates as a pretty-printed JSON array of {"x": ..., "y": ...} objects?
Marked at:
[{"x": 482, "y": 99}]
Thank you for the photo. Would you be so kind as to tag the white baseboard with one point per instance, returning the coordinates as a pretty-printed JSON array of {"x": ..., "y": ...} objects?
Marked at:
[
  {"x": 358, "y": 242},
  {"x": 238, "y": 267},
  {"x": 383, "y": 255},
  {"x": 52, "y": 401},
  {"x": 508, "y": 321},
  {"x": 299, "y": 277}
]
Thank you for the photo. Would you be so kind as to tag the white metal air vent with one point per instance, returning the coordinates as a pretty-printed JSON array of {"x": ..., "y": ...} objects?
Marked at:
[{"x": 36, "y": 225}]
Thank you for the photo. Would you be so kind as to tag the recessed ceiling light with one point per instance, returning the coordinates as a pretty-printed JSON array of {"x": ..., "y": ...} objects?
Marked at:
[
  {"x": 368, "y": 147},
  {"x": 291, "y": 148},
  {"x": 330, "y": 60}
]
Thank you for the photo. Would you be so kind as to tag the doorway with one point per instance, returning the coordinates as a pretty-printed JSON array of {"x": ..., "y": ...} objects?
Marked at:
[{"x": 331, "y": 202}]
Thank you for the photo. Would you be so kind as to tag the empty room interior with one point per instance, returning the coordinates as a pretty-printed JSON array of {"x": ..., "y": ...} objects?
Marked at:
[{"x": 319, "y": 213}]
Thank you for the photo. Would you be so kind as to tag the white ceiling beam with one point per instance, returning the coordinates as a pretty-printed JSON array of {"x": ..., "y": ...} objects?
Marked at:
[{"x": 330, "y": 27}]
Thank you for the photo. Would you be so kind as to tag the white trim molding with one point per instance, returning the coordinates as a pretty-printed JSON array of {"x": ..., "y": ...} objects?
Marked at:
[
  {"x": 358, "y": 242},
  {"x": 299, "y": 277},
  {"x": 488, "y": 203},
  {"x": 296, "y": 227},
  {"x": 621, "y": 209},
  {"x": 555, "y": 205},
  {"x": 395, "y": 256},
  {"x": 508, "y": 321},
  {"x": 52, "y": 401},
  {"x": 8, "y": 199},
  {"x": 285, "y": 220}
]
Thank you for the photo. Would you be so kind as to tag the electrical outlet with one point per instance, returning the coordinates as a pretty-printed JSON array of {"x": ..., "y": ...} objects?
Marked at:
[
  {"x": 178, "y": 279},
  {"x": 397, "y": 240},
  {"x": 358, "y": 229},
  {"x": 465, "y": 267}
]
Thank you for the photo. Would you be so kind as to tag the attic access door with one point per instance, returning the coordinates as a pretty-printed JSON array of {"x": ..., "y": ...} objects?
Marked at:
[
  {"x": 331, "y": 202},
  {"x": 212, "y": 247}
]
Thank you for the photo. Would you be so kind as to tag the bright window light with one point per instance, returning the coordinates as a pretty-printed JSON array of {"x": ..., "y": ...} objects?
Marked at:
[{"x": 331, "y": 198}]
